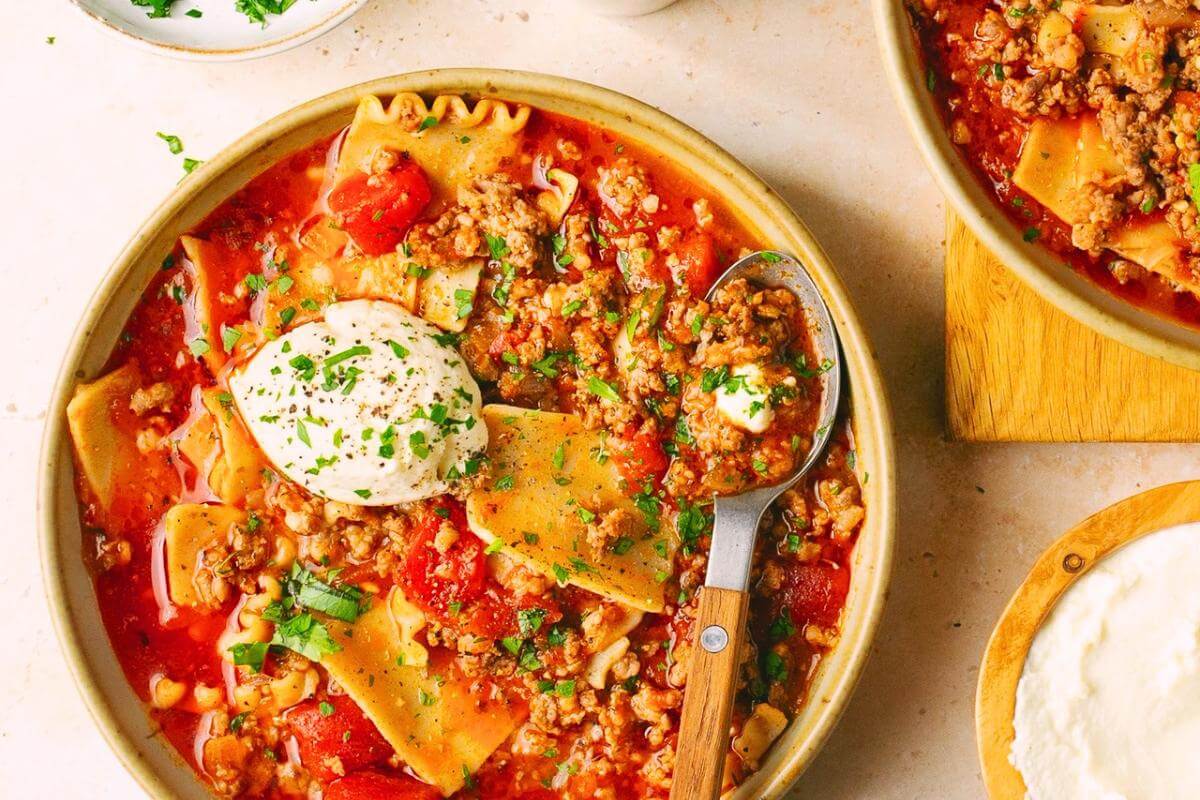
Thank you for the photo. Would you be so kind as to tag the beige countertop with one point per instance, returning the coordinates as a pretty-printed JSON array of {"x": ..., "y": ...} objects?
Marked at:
[{"x": 793, "y": 89}]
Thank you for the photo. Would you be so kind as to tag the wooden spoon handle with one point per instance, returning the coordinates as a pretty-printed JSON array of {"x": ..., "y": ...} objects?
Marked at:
[{"x": 708, "y": 701}]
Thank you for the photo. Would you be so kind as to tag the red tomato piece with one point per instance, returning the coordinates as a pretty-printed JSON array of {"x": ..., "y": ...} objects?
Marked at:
[
  {"x": 344, "y": 733},
  {"x": 377, "y": 210},
  {"x": 377, "y": 786},
  {"x": 641, "y": 459},
  {"x": 497, "y": 613},
  {"x": 438, "y": 580},
  {"x": 815, "y": 593},
  {"x": 698, "y": 264}
]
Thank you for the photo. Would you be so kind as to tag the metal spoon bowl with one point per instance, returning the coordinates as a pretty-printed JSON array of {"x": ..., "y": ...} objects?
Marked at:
[{"x": 737, "y": 516}]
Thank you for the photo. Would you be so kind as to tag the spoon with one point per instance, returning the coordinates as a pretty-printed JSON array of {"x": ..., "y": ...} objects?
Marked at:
[{"x": 725, "y": 598}]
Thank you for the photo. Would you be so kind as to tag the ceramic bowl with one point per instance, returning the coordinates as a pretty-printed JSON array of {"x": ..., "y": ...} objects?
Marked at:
[
  {"x": 1035, "y": 265},
  {"x": 118, "y": 711},
  {"x": 221, "y": 33}
]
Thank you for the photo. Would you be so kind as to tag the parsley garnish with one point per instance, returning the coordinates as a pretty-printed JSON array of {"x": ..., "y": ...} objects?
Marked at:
[
  {"x": 603, "y": 389},
  {"x": 158, "y": 8},
  {"x": 257, "y": 10},
  {"x": 174, "y": 143}
]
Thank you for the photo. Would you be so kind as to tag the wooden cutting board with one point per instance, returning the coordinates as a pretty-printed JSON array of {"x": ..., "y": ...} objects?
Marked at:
[{"x": 1018, "y": 369}]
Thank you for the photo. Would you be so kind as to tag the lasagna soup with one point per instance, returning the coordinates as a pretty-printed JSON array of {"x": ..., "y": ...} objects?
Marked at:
[
  {"x": 1084, "y": 120},
  {"x": 399, "y": 481}
]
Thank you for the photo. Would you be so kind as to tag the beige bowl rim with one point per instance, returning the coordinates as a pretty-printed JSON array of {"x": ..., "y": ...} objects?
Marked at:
[{"x": 117, "y": 711}]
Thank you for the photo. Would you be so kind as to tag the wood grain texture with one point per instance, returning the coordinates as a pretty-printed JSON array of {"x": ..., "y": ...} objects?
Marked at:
[
  {"x": 1018, "y": 369},
  {"x": 708, "y": 701},
  {"x": 1056, "y": 569}
]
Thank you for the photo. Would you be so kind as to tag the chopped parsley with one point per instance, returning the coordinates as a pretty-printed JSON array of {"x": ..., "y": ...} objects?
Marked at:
[
  {"x": 258, "y": 10},
  {"x": 174, "y": 143},
  {"x": 230, "y": 338},
  {"x": 496, "y": 246},
  {"x": 546, "y": 365},
  {"x": 158, "y": 8},
  {"x": 603, "y": 389},
  {"x": 251, "y": 655},
  {"x": 1194, "y": 183},
  {"x": 464, "y": 301}
]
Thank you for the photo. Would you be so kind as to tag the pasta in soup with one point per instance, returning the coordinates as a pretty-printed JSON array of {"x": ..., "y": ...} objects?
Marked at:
[
  {"x": 399, "y": 481},
  {"x": 1082, "y": 119}
]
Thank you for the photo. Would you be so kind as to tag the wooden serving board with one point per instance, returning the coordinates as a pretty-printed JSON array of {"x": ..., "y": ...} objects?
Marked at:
[
  {"x": 1056, "y": 569},
  {"x": 1018, "y": 369}
]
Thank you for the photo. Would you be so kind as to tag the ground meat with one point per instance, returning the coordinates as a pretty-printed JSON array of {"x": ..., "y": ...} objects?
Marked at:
[
  {"x": 493, "y": 206},
  {"x": 156, "y": 397},
  {"x": 624, "y": 188},
  {"x": 610, "y": 526},
  {"x": 651, "y": 704}
]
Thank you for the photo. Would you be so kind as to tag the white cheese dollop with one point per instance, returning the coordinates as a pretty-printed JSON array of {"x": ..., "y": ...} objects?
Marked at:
[
  {"x": 747, "y": 405},
  {"x": 364, "y": 407},
  {"x": 1108, "y": 705}
]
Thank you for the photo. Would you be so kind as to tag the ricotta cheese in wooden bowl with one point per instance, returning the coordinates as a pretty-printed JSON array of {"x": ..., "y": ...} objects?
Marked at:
[{"x": 1090, "y": 687}]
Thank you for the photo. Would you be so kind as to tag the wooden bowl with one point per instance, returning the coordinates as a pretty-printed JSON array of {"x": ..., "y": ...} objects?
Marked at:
[
  {"x": 119, "y": 712},
  {"x": 1035, "y": 265},
  {"x": 1080, "y": 549}
]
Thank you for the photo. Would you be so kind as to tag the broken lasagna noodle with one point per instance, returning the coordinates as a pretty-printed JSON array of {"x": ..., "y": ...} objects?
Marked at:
[
  {"x": 526, "y": 633},
  {"x": 1084, "y": 119}
]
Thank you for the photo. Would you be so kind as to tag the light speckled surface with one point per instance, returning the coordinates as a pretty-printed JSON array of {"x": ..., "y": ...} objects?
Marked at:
[{"x": 793, "y": 89}]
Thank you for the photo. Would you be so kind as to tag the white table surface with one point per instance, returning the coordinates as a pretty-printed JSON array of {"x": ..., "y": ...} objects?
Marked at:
[{"x": 795, "y": 89}]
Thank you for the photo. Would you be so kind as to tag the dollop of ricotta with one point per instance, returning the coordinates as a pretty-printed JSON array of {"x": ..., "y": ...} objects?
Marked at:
[
  {"x": 1108, "y": 705},
  {"x": 370, "y": 406},
  {"x": 743, "y": 399}
]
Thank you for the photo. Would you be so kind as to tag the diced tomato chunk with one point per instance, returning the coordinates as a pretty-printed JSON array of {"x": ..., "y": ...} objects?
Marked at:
[
  {"x": 344, "y": 733},
  {"x": 377, "y": 210},
  {"x": 377, "y": 786},
  {"x": 498, "y": 613},
  {"x": 437, "y": 580},
  {"x": 815, "y": 593},
  {"x": 698, "y": 264},
  {"x": 641, "y": 459},
  {"x": 454, "y": 586}
]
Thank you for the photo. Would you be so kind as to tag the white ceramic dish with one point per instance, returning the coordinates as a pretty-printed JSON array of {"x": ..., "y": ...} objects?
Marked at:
[{"x": 222, "y": 33}]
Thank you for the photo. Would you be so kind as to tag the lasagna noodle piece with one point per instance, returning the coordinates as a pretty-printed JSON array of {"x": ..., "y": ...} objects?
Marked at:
[
  {"x": 239, "y": 468},
  {"x": 541, "y": 517},
  {"x": 428, "y": 714},
  {"x": 201, "y": 252},
  {"x": 190, "y": 529},
  {"x": 103, "y": 431},
  {"x": 450, "y": 140},
  {"x": 1059, "y": 156}
]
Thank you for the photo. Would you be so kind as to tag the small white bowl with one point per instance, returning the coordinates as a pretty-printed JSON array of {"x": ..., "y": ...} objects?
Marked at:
[
  {"x": 623, "y": 8},
  {"x": 221, "y": 33}
]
